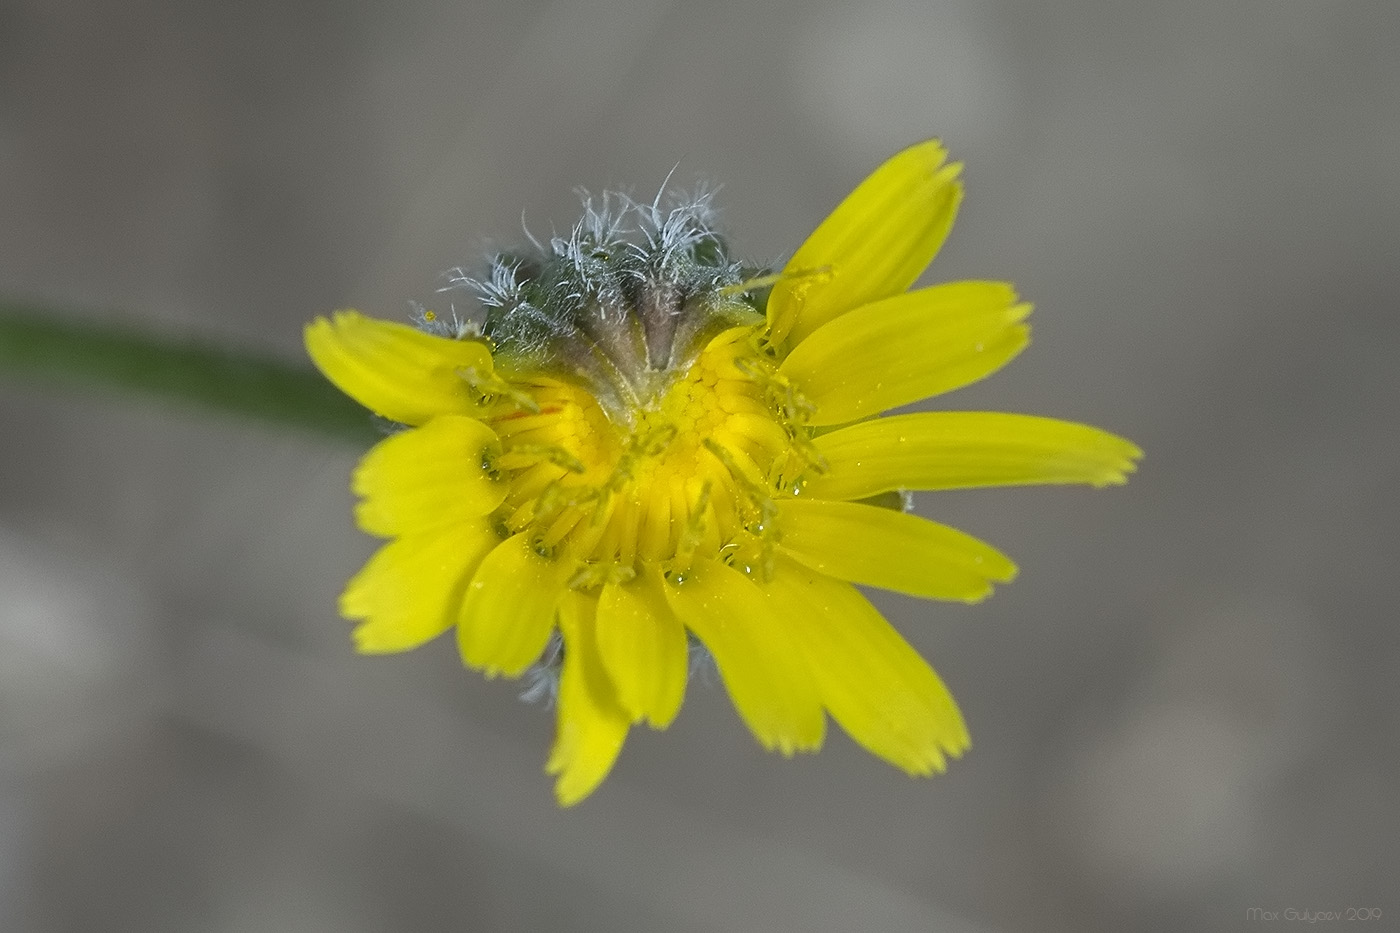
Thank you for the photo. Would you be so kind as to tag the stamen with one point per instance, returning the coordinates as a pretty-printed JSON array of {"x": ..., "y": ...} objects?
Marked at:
[
  {"x": 564, "y": 524},
  {"x": 520, "y": 456},
  {"x": 489, "y": 386},
  {"x": 519, "y": 519},
  {"x": 819, "y": 274},
  {"x": 533, "y": 480},
  {"x": 611, "y": 540},
  {"x": 763, "y": 431},
  {"x": 694, "y": 532},
  {"x": 740, "y": 467},
  {"x": 586, "y": 540},
  {"x": 631, "y": 520}
]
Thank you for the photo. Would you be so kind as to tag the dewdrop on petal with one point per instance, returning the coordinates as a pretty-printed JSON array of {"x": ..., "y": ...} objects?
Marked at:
[{"x": 643, "y": 443}]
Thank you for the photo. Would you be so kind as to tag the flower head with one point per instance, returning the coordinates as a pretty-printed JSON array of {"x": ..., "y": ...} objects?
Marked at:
[{"x": 635, "y": 449}]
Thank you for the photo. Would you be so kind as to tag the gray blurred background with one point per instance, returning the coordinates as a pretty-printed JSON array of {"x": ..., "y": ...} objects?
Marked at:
[{"x": 1184, "y": 708}]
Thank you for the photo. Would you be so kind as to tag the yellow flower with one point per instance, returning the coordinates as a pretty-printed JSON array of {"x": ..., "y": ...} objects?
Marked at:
[{"x": 633, "y": 452}]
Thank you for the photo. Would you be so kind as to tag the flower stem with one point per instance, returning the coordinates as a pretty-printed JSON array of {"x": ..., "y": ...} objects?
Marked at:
[{"x": 39, "y": 342}]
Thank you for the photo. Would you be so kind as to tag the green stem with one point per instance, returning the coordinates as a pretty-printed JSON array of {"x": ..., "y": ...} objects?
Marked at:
[{"x": 38, "y": 342}]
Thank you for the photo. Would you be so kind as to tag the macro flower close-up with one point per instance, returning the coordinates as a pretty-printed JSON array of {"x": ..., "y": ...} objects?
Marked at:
[
  {"x": 637, "y": 447},
  {"x": 628, "y": 465}
]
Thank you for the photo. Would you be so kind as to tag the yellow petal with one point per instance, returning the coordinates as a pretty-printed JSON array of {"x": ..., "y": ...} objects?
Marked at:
[
  {"x": 756, "y": 653},
  {"x": 643, "y": 647},
  {"x": 875, "y": 244},
  {"x": 395, "y": 370},
  {"x": 410, "y": 590},
  {"x": 873, "y": 683},
  {"x": 963, "y": 449},
  {"x": 591, "y": 726},
  {"x": 892, "y": 550},
  {"x": 427, "y": 476},
  {"x": 509, "y": 608},
  {"x": 906, "y": 348}
]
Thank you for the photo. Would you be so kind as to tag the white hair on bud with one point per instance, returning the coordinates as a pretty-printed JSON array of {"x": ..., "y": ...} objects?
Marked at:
[{"x": 623, "y": 299}]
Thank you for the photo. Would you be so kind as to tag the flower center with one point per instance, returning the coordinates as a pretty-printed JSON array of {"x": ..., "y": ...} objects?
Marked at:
[{"x": 692, "y": 474}]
